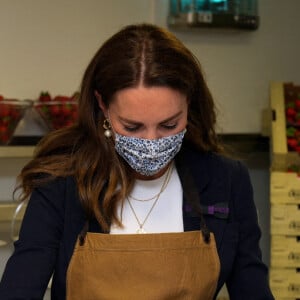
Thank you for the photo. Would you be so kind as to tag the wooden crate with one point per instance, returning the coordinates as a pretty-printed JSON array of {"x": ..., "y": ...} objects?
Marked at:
[
  {"x": 279, "y": 144},
  {"x": 285, "y": 283},
  {"x": 285, "y": 219},
  {"x": 285, "y": 251},
  {"x": 287, "y": 298},
  {"x": 285, "y": 187},
  {"x": 278, "y": 136}
]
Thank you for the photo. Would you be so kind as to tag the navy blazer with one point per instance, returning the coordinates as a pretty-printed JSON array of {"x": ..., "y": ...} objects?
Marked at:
[{"x": 54, "y": 218}]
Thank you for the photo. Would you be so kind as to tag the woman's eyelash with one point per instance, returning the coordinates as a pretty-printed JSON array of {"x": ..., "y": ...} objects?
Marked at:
[
  {"x": 131, "y": 129},
  {"x": 135, "y": 128},
  {"x": 167, "y": 126}
]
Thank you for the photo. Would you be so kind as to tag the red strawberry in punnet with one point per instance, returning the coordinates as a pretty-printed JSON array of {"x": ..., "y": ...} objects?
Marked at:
[
  {"x": 60, "y": 112},
  {"x": 44, "y": 97},
  {"x": 60, "y": 98},
  {"x": 292, "y": 143},
  {"x": 291, "y": 112},
  {"x": 297, "y": 104},
  {"x": 11, "y": 112}
]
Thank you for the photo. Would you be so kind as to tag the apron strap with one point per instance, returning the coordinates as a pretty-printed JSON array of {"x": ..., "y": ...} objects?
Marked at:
[
  {"x": 204, "y": 230},
  {"x": 83, "y": 233},
  {"x": 191, "y": 196}
]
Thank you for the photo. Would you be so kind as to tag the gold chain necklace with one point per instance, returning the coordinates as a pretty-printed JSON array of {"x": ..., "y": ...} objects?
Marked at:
[{"x": 163, "y": 187}]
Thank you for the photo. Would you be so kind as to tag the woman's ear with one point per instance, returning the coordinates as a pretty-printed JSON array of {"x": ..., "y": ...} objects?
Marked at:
[{"x": 101, "y": 103}]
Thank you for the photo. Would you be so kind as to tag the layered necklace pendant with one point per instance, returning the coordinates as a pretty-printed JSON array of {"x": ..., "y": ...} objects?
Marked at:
[{"x": 141, "y": 230}]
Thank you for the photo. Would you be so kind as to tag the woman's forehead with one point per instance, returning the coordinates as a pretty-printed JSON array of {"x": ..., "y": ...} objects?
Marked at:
[{"x": 136, "y": 103}]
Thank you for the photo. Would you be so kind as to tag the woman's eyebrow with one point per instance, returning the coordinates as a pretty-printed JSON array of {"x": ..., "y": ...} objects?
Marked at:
[
  {"x": 140, "y": 123},
  {"x": 172, "y": 117},
  {"x": 129, "y": 121}
]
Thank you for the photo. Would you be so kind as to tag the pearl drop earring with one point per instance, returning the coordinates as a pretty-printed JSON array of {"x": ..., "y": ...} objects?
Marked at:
[{"x": 107, "y": 127}]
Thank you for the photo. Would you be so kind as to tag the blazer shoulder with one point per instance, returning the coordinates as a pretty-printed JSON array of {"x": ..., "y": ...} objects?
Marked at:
[
  {"x": 55, "y": 191},
  {"x": 216, "y": 162},
  {"x": 233, "y": 164}
]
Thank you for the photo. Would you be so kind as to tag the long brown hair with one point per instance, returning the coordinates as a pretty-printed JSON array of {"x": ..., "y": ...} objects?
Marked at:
[{"x": 141, "y": 54}]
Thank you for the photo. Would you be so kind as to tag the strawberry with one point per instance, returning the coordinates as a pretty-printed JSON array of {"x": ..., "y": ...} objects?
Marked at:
[
  {"x": 61, "y": 112},
  {"x": 55, "y": 109},
  {"x": 297, "y": 104},
  {"x": 44, "y": 97},
  {"x": 292, "y": 143},
  {"x": 68, "y": 123},
  {"x": 67, "y": 109},
  {"x": 5, "y": 110},
  {"x": 3, "y": 129},
  {"x": 10, "y": 114},
  {"x": 290, "y": 121},
  {"x": 60, "y": 98},
  {"x": 4, "y": 136},
  {"x": 291, "y": 112},
  {"x": 1, "y": 98},
  {"x": 74, "y": 114}
]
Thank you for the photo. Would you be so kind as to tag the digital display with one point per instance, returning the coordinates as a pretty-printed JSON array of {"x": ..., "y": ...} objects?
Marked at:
[
  {"x": 241, "y": 14},
  {"x": 214, "y": 6}
]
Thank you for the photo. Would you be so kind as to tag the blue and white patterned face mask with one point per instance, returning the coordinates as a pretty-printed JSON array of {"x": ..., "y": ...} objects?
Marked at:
[{"x": 148, "y": 157}]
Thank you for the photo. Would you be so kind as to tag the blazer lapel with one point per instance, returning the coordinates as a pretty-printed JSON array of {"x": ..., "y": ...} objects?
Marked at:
[
  {"x": 191, "y": 193},
  {"x": 190, "y": 164}
]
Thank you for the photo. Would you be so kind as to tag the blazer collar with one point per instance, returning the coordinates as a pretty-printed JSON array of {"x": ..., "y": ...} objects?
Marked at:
[{"x": 190, "y": 165}]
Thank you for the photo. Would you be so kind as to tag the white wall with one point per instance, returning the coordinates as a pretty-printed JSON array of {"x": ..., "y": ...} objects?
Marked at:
[
  {"x": 46, "y": 45},
  {"x": 240, "y": 65}
]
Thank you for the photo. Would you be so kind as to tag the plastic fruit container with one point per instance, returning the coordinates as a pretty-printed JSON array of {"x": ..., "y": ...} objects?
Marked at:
[
  {"x": 57, "y": 114},
  {"x": 11, "y": 113}
]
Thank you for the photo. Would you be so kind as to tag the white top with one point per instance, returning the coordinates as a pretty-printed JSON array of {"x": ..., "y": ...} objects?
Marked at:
[{"x": 166, "y": 215}]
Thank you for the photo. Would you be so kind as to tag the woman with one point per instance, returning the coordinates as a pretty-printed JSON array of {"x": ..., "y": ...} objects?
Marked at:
[{"x": 143, "y": 158}]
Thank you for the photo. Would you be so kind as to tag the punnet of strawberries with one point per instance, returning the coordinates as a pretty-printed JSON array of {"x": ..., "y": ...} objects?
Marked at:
[
  {"x": 57, "y": 112},
  {"x": 292, "y": 115},
  {"x": 11, "y": 113}
]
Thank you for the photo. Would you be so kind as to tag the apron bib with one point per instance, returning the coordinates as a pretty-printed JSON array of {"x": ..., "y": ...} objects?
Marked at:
[{"x": 160, "y": 266}]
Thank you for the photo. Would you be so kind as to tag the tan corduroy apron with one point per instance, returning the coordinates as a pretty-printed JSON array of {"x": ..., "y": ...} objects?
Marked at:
[{"x": 143, "y": 266}]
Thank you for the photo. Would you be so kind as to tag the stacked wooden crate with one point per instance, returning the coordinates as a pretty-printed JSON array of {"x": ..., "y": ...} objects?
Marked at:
[{"x": 285, "y": 192}]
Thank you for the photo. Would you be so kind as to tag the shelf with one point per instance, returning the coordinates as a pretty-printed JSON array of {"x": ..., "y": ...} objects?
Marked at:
[
  {"x": 20, "y": 147},
  {"x": 16, "y": 151},
  {"x": 243, "y": 145}
]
